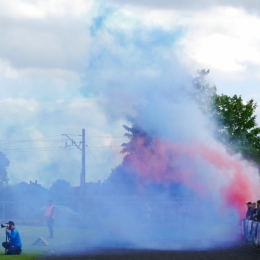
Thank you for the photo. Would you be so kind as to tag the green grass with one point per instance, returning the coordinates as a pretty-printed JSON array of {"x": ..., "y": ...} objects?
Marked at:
[{"x": 63, "y": 237}]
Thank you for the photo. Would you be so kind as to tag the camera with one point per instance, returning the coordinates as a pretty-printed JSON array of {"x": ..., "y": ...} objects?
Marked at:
[{"x": 7, "y": 225}]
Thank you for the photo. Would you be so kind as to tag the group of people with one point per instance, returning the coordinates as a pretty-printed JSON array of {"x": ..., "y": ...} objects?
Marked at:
[
  {"x": 253, "y": 211},
  {"x": 13, "y": 243}
]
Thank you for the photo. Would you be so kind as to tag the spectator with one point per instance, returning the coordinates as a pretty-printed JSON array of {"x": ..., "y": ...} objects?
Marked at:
[
  {"x": 256, "y": 216},
  {"x": 254, "y": 210},
  {"x": 249, "y": 210}
]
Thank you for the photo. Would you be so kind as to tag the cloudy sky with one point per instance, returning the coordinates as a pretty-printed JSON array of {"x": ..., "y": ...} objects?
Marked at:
[{"x": 63, "y": 62}]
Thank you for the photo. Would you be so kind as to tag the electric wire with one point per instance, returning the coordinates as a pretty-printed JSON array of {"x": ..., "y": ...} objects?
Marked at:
[
  {"x": 26, "y": 151},
  {"x": 90, "y": 137},
  {"x": 47, "y": 139},
  {"x": 96, "y": 160},
  {"x": 52, "y": 139},
  {"x": 109, "y": 146},
  {"x": 30, "y": 140},
  {"x": 30, "y": 148},
  {"x": 46, "y": 149}
]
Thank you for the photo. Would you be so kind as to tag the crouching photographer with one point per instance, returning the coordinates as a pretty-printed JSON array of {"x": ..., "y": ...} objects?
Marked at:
[{"x": 13, "y": 243}]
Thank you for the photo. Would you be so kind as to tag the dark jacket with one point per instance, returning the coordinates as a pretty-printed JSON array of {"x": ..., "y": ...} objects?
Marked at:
[
  {"x": 249, "y": 213},
  {"x": 257, "y": 217}
]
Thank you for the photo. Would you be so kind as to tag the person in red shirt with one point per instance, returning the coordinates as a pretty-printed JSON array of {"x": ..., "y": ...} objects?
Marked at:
[{"x": 50, "y": 216}]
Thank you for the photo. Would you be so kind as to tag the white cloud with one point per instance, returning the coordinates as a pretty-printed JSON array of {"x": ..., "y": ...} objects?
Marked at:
[
  {"x": 44, "y": 44},
  {"x": 224, "y": 40},
  {"x": 250, "y": 5},
  {"x": 45, "y": 34},
  {"x": 39, "y": 9},
  {"x": 11, "y": 107},
  {"x": 6, "y": 70}
]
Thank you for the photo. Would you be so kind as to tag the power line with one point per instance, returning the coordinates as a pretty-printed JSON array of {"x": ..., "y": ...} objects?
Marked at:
[
  {"x": 107, "y": 146},
  {"x": 96, "y": 160},
  {"x": 57, "y": 148},
  {"x": 57, "y": 140},
  {"x": 52, "y": 140},
  {"x": 29, "y": 148},
  {"x": 40, "y": 150},
  {"x": 30, "y": 140},
  {"x": 90, "y": 137}
]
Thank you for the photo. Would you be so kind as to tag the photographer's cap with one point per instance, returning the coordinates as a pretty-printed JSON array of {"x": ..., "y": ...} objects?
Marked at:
[
  {"x": 10, "y": 223},
  {"x": 249, "y": 203}
]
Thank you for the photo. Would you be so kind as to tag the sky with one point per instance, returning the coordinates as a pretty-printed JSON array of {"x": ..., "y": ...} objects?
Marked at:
[{"x": 62, "y": 63}]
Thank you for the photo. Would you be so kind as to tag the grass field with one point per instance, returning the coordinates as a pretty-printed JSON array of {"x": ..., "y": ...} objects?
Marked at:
[
  {"x": 63, "y": 239},
  {"x": 75, "y": 243},
  {"x": 72, "y": 240}
]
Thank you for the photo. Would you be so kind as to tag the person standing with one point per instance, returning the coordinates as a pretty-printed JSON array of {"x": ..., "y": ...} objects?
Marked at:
[
  {"x": 256, "y": 216},
  {"x": 14, "y": 245},
  {"x": 249, "y": 210},
  {"x": 254, "y": 210},
  {"x": 50, "y": 216}
]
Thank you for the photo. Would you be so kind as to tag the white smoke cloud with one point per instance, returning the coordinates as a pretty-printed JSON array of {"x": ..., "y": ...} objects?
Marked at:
[
  {"x": 80, "y": 66},
  {"x": 52, "y": 53}
]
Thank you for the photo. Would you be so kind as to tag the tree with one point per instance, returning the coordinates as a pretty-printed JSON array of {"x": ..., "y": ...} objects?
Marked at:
[
  {"x": 4, "y": 162},
  {"x": 203, "y": 93},
  {"x": 124, "y": 179},
  {"x": 234, "y": 119},
  {"x": 133, "y": 133},
  {"x": 236, "y": 125}
]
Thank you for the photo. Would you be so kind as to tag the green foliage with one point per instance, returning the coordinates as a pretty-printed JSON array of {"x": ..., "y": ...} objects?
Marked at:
[{"x": 236, "y": 125}]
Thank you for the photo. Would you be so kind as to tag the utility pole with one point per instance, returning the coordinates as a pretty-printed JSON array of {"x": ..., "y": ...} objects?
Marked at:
[{"x": 82, "y": 149}]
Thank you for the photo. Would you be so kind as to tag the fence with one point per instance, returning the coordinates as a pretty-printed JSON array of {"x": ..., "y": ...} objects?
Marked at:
[
  {"x": 251, "y": 232},
  {"x": 95, "y": 209}
]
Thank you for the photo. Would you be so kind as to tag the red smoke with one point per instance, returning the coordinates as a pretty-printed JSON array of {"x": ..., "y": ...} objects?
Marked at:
[{"x": 211, "y": 173}]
